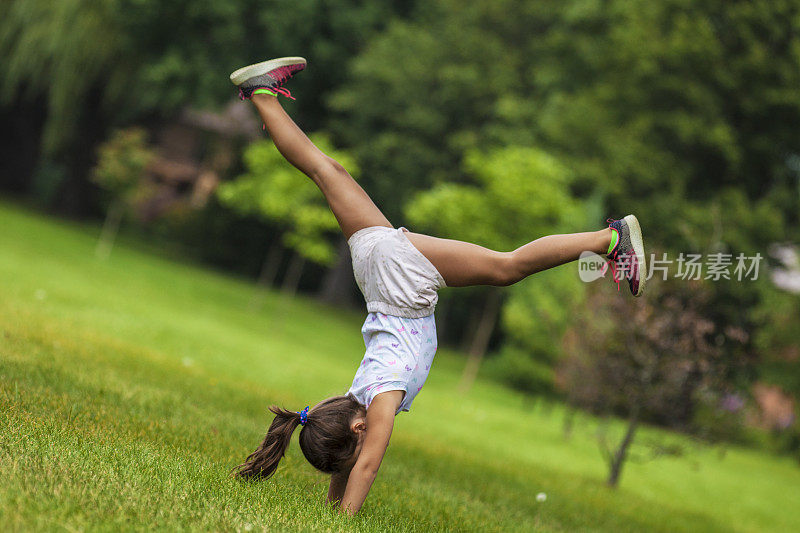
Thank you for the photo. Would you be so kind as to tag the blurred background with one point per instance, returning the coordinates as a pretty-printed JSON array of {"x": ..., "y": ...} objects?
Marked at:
[{"x": 492, "y": 121}]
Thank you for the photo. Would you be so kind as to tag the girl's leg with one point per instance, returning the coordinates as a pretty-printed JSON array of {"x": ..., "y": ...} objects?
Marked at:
[
  {"x": 462, "y": 264},
  {"x": 350, "y": 204}
]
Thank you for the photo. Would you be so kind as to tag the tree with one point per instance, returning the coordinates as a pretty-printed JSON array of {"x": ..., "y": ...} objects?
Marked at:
[
  {"x": 52, "y": 49},
  {"x": 654, "y": 359},
  {"x": 122, "y": 161},
  {"x": 519, "y": 193},
  {"x": 273, "y": 189},
  {"x": 422, "y": 94},
  {"x": 673, "y": 107}
]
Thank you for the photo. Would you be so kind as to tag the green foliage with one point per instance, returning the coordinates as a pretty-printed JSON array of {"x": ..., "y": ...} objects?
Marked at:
[
  {"x": 139, "y": 58},
  {"x": 778, "y": 315},
  {"x": 677, "y": 103},
  {"x": 273, "y": 189},
  {"x": 657, "y": 105},
  {"x": 537, "y": 313},
  {"x": 184, "y": 49},
  {"x": 417, "y": 99},
  {"x": 717, "y": 425},
  {"x": 121, "y": 162},
  {"x": 519, "y": 194},
  {"x": 520, "y": 371},
  {"x": 60, "y": 51}
]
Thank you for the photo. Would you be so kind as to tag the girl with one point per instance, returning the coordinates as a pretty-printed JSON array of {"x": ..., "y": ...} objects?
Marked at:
[{"x": 399, "y": 272}]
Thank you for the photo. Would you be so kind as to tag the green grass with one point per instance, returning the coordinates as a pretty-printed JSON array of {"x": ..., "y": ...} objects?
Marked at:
[{"x": 129, "y": 388}]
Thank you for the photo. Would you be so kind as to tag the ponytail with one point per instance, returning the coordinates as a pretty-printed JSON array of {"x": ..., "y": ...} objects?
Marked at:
[
  {"x": 326, "y": 438},
  {"x": 261, "y": 464}
]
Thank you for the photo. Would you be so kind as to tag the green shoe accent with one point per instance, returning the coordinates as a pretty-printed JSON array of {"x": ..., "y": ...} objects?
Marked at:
[
  {"x": 614, "y": 240},
  {"x": 265, "y": 91}
]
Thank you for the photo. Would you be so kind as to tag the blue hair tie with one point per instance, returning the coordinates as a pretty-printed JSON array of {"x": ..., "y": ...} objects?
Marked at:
[{"x": 303, "y": 416}]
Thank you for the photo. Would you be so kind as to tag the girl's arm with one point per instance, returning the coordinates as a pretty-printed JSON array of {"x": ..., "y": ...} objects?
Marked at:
[
  {"x": 337, "y": 487},
  {"x": 380, "y": 421}
]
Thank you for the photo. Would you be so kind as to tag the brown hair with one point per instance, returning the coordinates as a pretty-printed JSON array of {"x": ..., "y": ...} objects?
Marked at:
[{"x": 326, "y": 438}]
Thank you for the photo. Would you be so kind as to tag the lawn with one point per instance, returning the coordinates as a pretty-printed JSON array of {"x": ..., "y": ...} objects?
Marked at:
[{"x": 129, "y": 388}]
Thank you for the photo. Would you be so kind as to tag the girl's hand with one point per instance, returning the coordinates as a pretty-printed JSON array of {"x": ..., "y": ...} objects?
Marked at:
[{"x": 380, "y": 421}]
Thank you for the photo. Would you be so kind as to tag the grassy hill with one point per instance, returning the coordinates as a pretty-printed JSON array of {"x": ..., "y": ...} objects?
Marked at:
[{"x": 129, "y": 388}]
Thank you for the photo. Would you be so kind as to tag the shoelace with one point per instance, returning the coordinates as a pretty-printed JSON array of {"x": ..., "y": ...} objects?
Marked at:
[
  {"x": 284, "y": 91},
  {"x": 281, "y": 74}
]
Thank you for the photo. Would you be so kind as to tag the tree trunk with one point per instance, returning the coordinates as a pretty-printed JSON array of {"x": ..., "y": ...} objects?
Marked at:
[
  {"x": 110, "y": 229},
  {"x": 618, "y": 459},
  {"x": 291, "y": 279},
  {"x": 269, "y": 270},
  {"x": 337, "y": 286},
  {"x": 468, "y": 335},
  {"x": 569, "y": 421},
  {"x": 272, "y": 261},
  {"x": 483, "y": 333}
]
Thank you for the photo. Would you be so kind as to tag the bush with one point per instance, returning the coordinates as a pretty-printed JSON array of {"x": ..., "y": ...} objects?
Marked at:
[
  {"x": 521, "y": 371},
  {"x": 715, "y": 424}
]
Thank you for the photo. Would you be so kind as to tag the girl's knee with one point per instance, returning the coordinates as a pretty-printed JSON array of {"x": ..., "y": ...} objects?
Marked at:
[
  {"x": 328, "y": 168},
  {"x": 335, "y": 166},
  {"x": 507, "y": 269}
]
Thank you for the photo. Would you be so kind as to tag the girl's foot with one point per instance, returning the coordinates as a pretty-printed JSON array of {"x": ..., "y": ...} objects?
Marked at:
[
  {"x": 627, "y": 254},
  {"x": 267, "y": 77}
]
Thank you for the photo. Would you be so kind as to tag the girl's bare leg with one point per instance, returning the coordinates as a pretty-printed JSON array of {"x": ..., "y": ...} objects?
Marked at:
[
  {"x": 350, "y": 204},
  {"x": 462, "y": 264}
]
